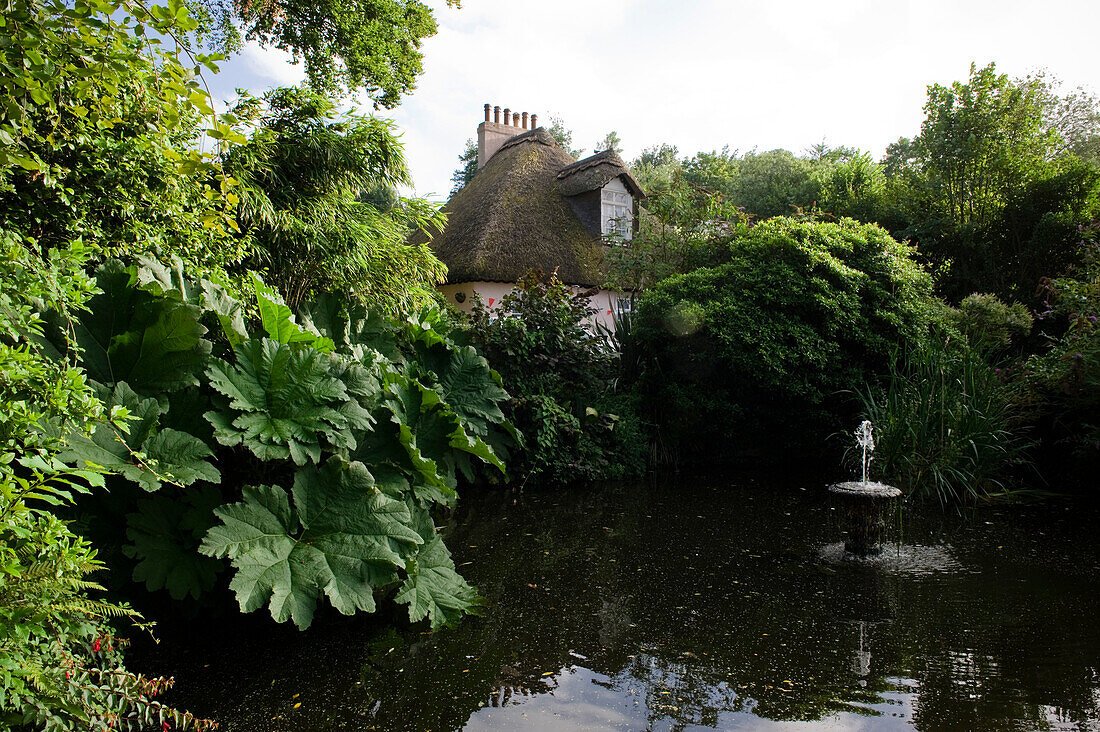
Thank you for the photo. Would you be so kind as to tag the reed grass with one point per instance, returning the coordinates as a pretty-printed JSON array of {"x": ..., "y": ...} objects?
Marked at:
[{"x": 946, "y": 427}]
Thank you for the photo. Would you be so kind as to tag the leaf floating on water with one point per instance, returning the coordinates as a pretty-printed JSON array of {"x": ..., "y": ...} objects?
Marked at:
[{"x": 548, "y": 673}]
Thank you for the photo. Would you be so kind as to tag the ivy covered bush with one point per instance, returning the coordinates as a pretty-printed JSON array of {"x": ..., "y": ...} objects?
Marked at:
[
  {"x": 760, "y": 350},
  {"x": 299, "y": 461}
]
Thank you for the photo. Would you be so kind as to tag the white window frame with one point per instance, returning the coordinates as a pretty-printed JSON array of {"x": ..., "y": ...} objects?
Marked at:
[{"x": 616, "y": 211}]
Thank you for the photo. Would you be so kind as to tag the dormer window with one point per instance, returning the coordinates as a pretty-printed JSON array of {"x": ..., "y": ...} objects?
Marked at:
[{"x": 616, "y": 211}]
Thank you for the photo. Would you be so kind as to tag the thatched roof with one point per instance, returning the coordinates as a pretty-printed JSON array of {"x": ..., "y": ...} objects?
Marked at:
[
  {"x": 513, "y": 216},
  {"x": 595, "y": 172}
]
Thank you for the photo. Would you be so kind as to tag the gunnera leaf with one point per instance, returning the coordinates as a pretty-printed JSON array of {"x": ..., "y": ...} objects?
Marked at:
[
  {"x": 165, "y": 533},
  {"x": 288, "y": 402},
  {"x": 433, "y": 589},
  {"x": 468, "y": 386},
  {"x": 169, "y": 281},
  {"x": 154, "y": 344},
  {"x": 350, "y": 325},
  {"x": 278, "y": 319},
  {"x": 341, "y": 538},
  {"x": 144, "y": 453}
]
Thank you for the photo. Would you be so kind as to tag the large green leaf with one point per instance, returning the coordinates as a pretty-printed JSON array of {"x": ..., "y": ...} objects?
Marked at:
[
  {"x": 341, "y": 538},
  {"x": 169, "y": 281},
  {"x": 469, "y": 386},
  {"x": 433, "y": 589},
  {"x": 349, "y": 325},
  {"x": 278, "y": 319},
  {"x": 144, "y": 453},
  {"x": 154, "y": 344},
  {"x": 288, "y": 402},
  {"x": 430, "y": 430},
  {"x": 165, "y": 533}
]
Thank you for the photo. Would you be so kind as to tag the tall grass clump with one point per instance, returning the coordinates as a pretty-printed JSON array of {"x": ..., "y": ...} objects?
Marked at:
[{"x": 946, "y": 426}]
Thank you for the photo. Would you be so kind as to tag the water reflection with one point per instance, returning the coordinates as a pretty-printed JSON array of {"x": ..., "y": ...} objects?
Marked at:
[{"x": 686, "y": 604}]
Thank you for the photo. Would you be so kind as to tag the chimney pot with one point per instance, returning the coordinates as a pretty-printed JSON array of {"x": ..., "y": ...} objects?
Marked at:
[
  {"x": 496, "y": 115},
  {"x": 534, "y": 121},
  {"x": 515, "y": 119},
  {"x": 486, "y": 112},
  {"x": 525, "y": 120},
  {"x": 507, "y": 115}
]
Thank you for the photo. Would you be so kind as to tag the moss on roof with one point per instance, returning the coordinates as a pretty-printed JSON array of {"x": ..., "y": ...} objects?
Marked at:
[{"x": 511, "y": 218}]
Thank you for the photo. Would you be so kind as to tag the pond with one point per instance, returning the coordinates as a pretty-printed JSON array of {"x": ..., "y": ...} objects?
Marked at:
[{"x": 695, "y": 603}]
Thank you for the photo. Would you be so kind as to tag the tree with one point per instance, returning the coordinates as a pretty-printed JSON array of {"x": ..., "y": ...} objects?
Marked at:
[
  {"x": 301, "y": 175},
  {"x": 990, "y": 188},
  {"x": 761, "y": 347},
  {"x": 464, "y": 173},
  {"x": 611, "y": 142},
  {"x": 980, "y": 139},
  {"x": 373, "y": 45},
  {"x": 563, "y": 136},
  {"x": 718, "y": 171},
  {"x": 774, "y": 183},
  {"x": 99, "y": 140},
  {"x": 656, "y": 167}
]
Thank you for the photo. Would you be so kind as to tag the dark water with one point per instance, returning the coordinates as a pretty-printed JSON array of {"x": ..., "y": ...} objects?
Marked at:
[{"x": 692, "y": 604}]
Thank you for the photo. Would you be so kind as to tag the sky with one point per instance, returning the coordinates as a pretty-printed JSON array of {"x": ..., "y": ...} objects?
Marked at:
[{"x": 703, "y": 74}]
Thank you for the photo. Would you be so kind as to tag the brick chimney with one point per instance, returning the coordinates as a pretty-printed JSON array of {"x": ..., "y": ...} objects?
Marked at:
[{"x": 491, "y": 134}]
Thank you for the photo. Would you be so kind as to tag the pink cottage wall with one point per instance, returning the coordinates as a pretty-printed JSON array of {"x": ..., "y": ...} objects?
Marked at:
[{"x": 605, "y": 301}]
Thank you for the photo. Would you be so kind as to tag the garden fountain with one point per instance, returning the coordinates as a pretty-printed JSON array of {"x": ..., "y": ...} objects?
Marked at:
[{"x": 864, "y": 502}]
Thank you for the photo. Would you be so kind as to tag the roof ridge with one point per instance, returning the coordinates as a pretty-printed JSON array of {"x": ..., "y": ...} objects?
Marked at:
[{"x": 608, "y": 156}]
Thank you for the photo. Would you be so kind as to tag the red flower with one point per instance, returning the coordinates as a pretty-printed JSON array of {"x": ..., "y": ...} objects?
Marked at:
[
  {"x": 165, "y": 726},
  {"x": 96, "y": 645}
]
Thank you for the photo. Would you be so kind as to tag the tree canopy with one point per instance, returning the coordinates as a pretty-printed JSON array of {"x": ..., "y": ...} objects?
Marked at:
[{"x": 303, "y": 174}]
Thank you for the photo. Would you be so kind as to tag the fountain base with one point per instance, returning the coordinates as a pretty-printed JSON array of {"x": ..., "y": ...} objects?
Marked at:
[{"x": 863, "y": 507}]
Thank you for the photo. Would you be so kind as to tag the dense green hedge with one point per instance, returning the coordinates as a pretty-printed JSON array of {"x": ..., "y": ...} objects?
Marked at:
[{"x": 761, "y": 348}]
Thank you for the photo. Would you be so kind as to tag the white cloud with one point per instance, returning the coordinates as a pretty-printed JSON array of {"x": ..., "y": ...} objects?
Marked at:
[{"x": 271, "y": 64}]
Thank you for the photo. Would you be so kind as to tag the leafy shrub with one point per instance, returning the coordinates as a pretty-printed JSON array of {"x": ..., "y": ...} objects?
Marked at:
[
  {"x": 989, "y": 324},
  {"x": 560, "y": 370},
  {"x": 345, "y": 451},
  {"x": 757, "y": 350},
  {"x": 60, "y": 662},
  {"x": 1066, "y": 378},
  {"x": 946, "y": 426}
]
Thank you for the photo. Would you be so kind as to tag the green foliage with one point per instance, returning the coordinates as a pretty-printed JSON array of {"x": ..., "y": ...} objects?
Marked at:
[
  {"x": 990, "y": 325},
  {"x": 774, "y": 183},
  {"x": 369, "y": 46},
  {"x": 1066, "y": 376},
  {"x": 612, "y": 142},
  {"x": 359, "y": 400},
  {"x": 799, "y": 312},
  {"x": 284, "y": 402},
  {"x": 95, "y": 155},
  {"x": 466, "y": 169},
  {"x": 946, "y": 426},
  {"x": 97, "y": 133},
  {"x": 852, "y": 185},
  {"x": 60, "y": 666},
  {"x": 342, "y": 537},
  {"x": 140, "y": 450},
  {"x": 165, "y": 532},
  {"x": 564, "y": 136},
  {"x": 687, "y": 226},
  {"x": 557, "y": 366},
  {"x": 302, "y": 174},
  {"x": 989, "y": 189},
  {"x": 153, "y": 344}
]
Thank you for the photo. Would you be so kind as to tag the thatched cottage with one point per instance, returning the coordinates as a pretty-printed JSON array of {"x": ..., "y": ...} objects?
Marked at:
[{"x": 532, "y": 206}]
